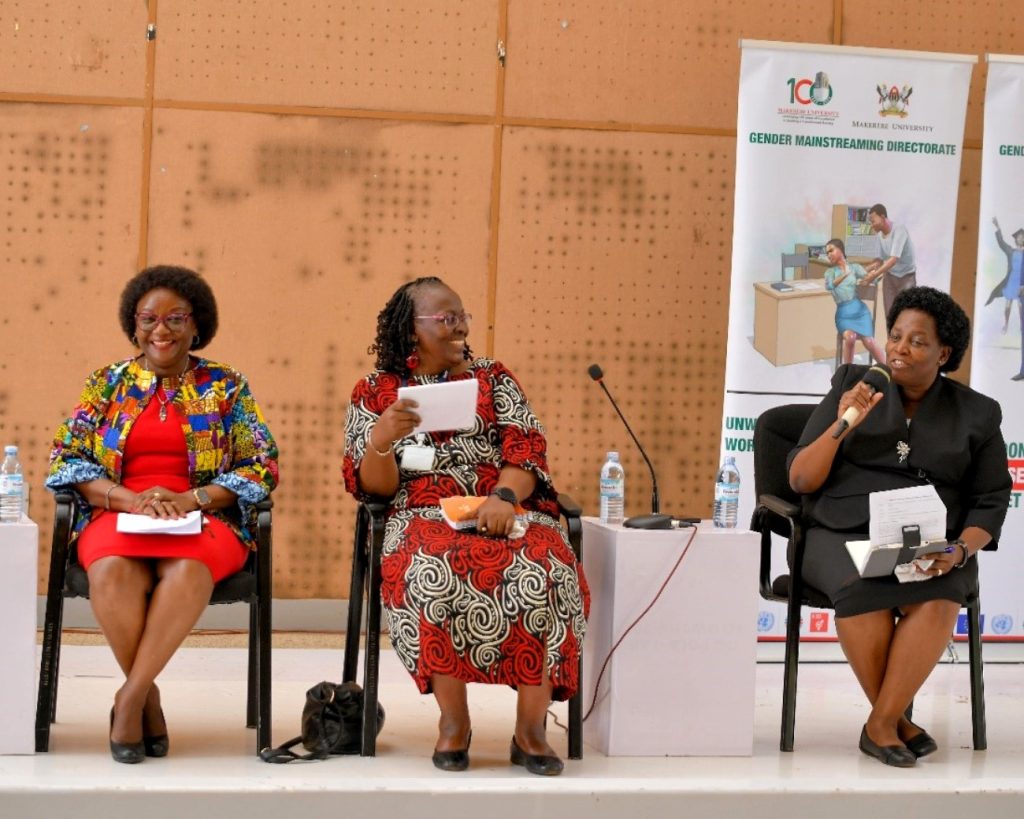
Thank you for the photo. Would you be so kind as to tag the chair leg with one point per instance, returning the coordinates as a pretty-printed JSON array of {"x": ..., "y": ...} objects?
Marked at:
[
  {"x": 977, "y": 675},
  {"x": 355, "y": 597},
  {"x": 252, "y": 688},
  {"x": 576, "y": 718},
  {"x": 264, "y": 626},
  {"x": 371, "y": 659},
  {"x": 46, "y": 705},
  {"x": 792, "y": 665}
]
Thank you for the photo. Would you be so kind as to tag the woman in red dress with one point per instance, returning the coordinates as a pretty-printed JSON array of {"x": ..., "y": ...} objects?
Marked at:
[
  {"x": 161, "y": 434},
  {"x": 481, "y": 605}
]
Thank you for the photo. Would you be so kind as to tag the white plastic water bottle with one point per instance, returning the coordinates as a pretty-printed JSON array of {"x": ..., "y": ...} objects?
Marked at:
[
  {"x": 727, "y": 494},
  {"x": 613, "y": 490},
  {"x": 12, "y": 487}
]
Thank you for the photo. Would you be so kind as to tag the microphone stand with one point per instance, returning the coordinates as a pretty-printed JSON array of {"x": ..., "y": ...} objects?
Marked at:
[{"x": 655, "y": 504}]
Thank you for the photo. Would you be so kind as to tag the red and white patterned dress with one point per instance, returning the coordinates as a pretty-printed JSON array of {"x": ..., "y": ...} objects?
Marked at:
[{"x": 490, "y": 610}]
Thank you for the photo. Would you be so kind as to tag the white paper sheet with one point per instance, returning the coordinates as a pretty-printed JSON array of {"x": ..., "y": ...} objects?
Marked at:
[
  {"x": 444, "y": 406},
  {"x": 892, "y": 510},
  {"x": 191, "y": 524}
]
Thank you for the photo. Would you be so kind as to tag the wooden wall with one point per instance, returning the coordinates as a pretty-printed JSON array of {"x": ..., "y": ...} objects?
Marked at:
[{"x": 308, "y": 156}]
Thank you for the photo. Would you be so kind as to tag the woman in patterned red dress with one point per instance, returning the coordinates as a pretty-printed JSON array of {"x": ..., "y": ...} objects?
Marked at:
[
  {"x": 161, "y": 434},
  {"x": 471, "y": 605}
]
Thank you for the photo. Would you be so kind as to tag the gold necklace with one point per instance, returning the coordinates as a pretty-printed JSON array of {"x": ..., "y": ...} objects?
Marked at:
[{"x": 165, "y": 401}]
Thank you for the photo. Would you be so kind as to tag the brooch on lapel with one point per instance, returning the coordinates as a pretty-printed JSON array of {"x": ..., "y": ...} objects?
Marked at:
[{"x": 903, "y": 450}]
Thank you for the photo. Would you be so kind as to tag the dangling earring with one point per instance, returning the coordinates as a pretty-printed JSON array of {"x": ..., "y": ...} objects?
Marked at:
[
  {"x": 412, "y": 361},
  {"x": 135, "y": 340},
  {"x": 195, "y": 341},
  {"x": 467, "y": 354}
]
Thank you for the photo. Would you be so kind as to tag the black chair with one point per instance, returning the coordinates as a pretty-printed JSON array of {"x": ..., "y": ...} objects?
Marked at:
[
  {"x": 366, "y": 553},
  {"x": 250, "y": 585},
  {"x": 778, "y": 512}
]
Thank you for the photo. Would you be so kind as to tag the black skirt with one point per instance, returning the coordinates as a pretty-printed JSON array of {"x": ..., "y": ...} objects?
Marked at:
[{"x": 829, "y": 568}]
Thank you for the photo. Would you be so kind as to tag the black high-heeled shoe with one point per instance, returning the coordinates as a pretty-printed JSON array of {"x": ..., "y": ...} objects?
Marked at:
[
  {"x": 539, "y": 764},
  {"x": 129, "y": 753},
  {"x": 157, "y": 745},
  {"x": 453, "y": 760}
]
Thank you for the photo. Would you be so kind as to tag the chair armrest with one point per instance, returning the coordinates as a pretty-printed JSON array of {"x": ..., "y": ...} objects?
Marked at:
[
  {"x": 571, "y": 511},
  {"x": 63, "y": 520},
  {"x": 773, "y": 514},
  {"x": 780, "y": 507},
  {"x": 264, "y": 522},
  {"x": 568, "y": 507},
  {"x": 377, "y": 507}
]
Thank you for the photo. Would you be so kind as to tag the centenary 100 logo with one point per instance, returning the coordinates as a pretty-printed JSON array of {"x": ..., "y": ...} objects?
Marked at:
[{"x": 805, "y": 92}]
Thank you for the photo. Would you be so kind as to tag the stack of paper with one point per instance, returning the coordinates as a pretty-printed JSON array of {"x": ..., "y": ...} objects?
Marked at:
[{"x": 191, "y": 524}]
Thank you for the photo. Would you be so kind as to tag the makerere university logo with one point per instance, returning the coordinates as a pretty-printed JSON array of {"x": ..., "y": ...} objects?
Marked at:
[
  {"x": 810, "y": 92},
  {"x": 808, "y": 102},
  {"x": 893, "y": 101}
]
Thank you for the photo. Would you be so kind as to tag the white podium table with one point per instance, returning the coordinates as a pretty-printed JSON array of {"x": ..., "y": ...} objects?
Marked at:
[
  {"x": 682, "y": 682},
  {"x": 19, "y": 545}
]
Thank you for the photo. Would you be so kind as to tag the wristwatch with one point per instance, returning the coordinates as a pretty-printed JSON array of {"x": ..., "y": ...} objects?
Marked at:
[
  {"x": 201, "y": 496},
  {"x": 506, "y": 495}
]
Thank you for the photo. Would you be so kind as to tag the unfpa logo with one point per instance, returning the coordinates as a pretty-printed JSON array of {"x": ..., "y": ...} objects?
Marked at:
[{"x": 807, "y": 92}]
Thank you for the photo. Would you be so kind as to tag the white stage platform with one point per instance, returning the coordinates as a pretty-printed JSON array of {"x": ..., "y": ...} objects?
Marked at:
[{"x": 213, "y": 771}]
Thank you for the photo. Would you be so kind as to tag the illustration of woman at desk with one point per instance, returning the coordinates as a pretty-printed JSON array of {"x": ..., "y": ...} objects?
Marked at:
[{"x": 853, "y": 318}]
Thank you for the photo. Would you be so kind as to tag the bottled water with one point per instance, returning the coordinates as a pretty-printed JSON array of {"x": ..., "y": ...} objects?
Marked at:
[
  {"x": 12, "y": 487},
  {"x": 613, "y": 489},
  {"x": 727, "y": 494}
]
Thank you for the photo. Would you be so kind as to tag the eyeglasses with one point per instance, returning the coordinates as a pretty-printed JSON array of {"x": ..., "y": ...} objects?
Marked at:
[
  {"x": 175, "y": 322},
  {"x": 449, "y": 320}
]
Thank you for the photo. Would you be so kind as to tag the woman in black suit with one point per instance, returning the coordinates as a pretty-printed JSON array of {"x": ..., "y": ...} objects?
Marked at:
[{"x": 925, "y": 429}]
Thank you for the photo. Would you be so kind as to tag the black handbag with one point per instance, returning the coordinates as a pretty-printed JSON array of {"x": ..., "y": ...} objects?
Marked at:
[{"x": 332, "y": 723}]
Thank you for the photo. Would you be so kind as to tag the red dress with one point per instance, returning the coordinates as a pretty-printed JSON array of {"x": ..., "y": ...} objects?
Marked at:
[
  {"x": 479, "y": 609},
  {"x": 155, "y": 454}
]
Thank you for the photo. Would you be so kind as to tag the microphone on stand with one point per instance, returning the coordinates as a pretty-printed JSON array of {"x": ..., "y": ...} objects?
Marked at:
[
  {"x": 877, "y": 380},
  {"x": 655, "y": 520}
]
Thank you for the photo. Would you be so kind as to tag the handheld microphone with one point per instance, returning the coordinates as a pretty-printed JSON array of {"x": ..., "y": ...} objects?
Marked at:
[
  {"x": 877, "y": 380},
  {"x": 653, "y": 520}
]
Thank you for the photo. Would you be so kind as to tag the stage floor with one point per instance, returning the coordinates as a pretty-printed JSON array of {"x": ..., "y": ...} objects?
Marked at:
[{"x": 213, "y": 770}]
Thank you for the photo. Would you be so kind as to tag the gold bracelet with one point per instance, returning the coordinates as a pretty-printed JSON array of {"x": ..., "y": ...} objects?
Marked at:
[
  {"x": 369, "y": 443},
  {"x": 106, "y": 497}
]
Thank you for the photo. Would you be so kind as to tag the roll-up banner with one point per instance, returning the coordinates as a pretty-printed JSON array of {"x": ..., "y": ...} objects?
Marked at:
[
  {"x": 997, "y": 364},
  {"x": 851, "y": 144}
]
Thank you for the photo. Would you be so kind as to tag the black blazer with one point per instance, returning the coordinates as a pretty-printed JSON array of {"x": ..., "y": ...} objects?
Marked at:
[{"x": 955, "y": 444}]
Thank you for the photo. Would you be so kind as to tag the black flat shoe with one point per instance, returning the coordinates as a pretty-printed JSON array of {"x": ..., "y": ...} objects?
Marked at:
[
  {"x": 157, "y": 745},
  {"x": 129, "y": 753},
  {"x": 535, "y": 763},
  {"x": 896, "y": 755},
  {"x": 453, "y": 760},
  {"x": 922, "y": 744}
]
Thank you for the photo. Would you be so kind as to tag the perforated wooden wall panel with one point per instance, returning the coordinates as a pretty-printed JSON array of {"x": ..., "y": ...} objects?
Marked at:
[
  {"x": 69, "y": 213},
  {"x": 645, "y": 61},
  {"x": 307, "y": 156},
  {"x": 73, "y": 47},
  {"x": 614, "y": 249},
  {"x": 994, "y": 26},
  {"x": 304, "y": 227},
  {"x": 403, "y": 55}
]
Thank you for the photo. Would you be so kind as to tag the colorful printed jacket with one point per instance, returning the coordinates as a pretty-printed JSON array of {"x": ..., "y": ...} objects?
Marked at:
[{"x": 228, "y": 441}]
